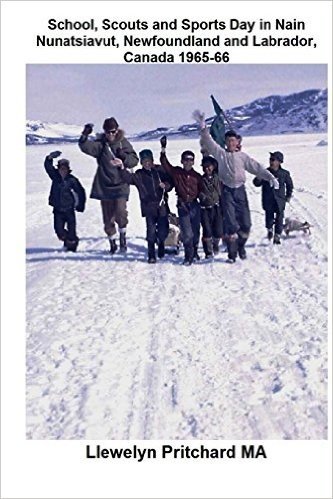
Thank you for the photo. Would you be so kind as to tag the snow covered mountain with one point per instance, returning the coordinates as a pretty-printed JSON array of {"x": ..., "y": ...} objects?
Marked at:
[
  {"x": 303, "y": 112},
  {"x": 38, "y": 132}
]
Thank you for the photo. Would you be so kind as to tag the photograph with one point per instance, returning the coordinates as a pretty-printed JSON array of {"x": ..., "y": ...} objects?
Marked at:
[{"x": 176, "y": 252}]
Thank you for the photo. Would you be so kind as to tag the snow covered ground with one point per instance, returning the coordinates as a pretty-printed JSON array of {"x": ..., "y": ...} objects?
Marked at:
[{"x": 118, "y": 349}]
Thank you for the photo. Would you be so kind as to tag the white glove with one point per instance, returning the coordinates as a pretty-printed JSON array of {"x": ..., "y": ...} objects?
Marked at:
[
  {"x": 274, "y": 183},
  {"x": 199, "y": 117}
]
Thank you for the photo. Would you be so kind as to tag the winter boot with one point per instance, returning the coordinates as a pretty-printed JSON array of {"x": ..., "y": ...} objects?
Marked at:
[
  {"x": 71, "y": 245},
  {"x": 151, "y": 253},
  {"x": 161, "y": 250},
  {"x": 196, "y": 255},
  {"x": 208, "y": 247},
  {"x": 63, "y": 236},
  {"x": 189, "y": 252},
  {"x": 232, "y": 245},
  {"x": 216, "y": 249},
  {"x": 270, "y": 234},
  {"x": 277, "y": 239},
  {"x": 113, "y": 246},
  {"x": 122, "y": 242},
  {"x": 241, "y": 247}
]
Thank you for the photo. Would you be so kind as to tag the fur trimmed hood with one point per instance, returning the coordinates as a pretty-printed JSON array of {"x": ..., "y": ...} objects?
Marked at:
[{"x": 120, "y": 135}]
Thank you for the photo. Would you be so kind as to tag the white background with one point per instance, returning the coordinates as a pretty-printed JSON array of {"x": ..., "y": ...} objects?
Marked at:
[{"x": 33, "y": 469}]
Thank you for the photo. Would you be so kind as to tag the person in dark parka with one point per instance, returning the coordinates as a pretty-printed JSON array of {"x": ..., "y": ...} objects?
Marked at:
[
  {"x": 274, "y": 200},
  {"x": 152, "y": 183},
  {"x": 111, "y": 150},
  {"x": 66, "y": 196}
]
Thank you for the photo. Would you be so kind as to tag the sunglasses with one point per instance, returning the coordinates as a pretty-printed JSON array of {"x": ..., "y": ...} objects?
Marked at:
[{"x": 111, "y": 131}]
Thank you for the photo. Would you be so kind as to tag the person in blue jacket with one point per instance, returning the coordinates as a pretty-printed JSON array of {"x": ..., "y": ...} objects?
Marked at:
[
  {"x": 274, "y": 200},
  {"x": 66, "y": 196}
]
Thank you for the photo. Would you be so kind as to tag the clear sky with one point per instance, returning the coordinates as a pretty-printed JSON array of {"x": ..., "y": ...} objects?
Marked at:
[{"x": 143, "y": 97}]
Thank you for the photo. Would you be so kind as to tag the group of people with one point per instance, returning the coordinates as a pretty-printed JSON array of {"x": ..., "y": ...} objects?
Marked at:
[{"x": 216, "y": 201}]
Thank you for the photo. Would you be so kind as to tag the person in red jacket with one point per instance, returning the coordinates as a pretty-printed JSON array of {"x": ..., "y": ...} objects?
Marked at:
[{"x": 188, "y": 185}]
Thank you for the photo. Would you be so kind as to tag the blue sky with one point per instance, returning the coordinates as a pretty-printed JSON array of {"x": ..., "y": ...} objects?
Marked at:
[{"x": 143, "y": 97}]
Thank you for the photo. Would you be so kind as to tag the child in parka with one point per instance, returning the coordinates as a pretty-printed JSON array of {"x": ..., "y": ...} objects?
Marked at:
[
  {"x": 66, "y": 196},
  {"x": 274, "y": 200},
  {"x": 152, "y": 183},
  {"x": 211, "y": 215}
]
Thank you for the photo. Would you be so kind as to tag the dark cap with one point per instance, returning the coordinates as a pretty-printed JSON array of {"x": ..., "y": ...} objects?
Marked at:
[
  {"x": 231, "y": 133},
  {"x": 63, "y": 162},
  {"x": 209, "y": 160},
  {"x": 146, "y": 154},
  {"x": 110, "y": 124},
  {"x": 187, "y": 155},
  {"x": 277, "y": 155}
]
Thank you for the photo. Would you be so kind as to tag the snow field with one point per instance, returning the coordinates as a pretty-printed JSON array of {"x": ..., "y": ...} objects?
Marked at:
[{"x": 118, "y": 349}]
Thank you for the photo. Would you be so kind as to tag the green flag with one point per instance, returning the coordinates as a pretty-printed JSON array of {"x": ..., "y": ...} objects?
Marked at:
[
  {"x": 217, "y": 129},
  {"x": 217, "y": 108}
]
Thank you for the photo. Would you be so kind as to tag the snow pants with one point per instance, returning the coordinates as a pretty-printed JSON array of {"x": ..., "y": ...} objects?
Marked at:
[
  {"x": 211, "y": 221},
  {"x": 189, "y": 223},
  {"x": 114, "y": 211},
  {"x": 64, "y": 223},
  {"x": 157, "y": 228},
  {"x": 274, "y": 217},
  {"x": 236, "y": 211}
]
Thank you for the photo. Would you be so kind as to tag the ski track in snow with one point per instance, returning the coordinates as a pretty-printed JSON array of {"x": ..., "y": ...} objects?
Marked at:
[{"x": 118, "y": 349}]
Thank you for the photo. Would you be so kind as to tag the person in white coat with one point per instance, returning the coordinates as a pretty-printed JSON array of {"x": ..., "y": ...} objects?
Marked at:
[{"x": 232, "y": 164}]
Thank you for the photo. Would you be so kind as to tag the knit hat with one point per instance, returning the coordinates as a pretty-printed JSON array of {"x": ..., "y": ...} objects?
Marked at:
[
  {"x": 110, "y": 124},
  {"x": 146, "y": 154},
  {"x": 277, "y": 155},
  {"x": 187, "y": 154},
  {"x": 63, "y": 162}
]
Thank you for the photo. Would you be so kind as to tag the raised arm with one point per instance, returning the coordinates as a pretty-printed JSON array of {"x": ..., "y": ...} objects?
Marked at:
[
  {"x": 90, "y": 147},
  {"x": 48, "y": 164},
  {"x": 207, "y": 143},
  {"x": 166, "y": 165}
]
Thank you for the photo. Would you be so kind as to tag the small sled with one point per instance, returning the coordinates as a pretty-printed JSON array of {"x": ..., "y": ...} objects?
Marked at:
[
  {"x": 173, "y": 240},
  {"x": 295, "y": 225}
]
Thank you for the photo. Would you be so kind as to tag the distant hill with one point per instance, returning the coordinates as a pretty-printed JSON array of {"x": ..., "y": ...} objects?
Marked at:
[{"x": 302, "y": 112}]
